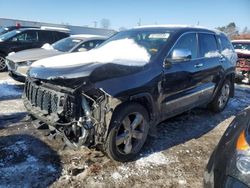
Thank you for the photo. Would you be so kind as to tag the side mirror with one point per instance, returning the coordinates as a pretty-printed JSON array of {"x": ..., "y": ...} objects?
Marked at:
[
  {"x": 167, "y": 64},
  {"x": 181, "y": 55}
]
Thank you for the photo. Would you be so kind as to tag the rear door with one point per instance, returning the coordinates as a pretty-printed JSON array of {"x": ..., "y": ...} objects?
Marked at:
[{"x": 211, "y": 68}]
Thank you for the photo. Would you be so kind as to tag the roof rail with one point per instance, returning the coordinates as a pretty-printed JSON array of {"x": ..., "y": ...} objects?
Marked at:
[{"x": 56, "y": 29}]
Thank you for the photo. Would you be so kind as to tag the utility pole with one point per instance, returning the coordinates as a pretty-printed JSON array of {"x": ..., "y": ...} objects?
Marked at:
[{"x": 139, "y": 22}]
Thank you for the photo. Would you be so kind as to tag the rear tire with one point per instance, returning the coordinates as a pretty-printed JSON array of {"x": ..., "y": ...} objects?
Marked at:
[
  {"x": 128, "y": 132},
  {"x": 3, "y": 66},
  {"x": 221, "y": 99}
]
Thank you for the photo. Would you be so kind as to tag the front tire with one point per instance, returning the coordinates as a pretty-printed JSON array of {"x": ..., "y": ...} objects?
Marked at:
[
  {"x": 221, "y": 99},
  {"x": 128, "y": 132},
  {"x": 3, "y": 66}
]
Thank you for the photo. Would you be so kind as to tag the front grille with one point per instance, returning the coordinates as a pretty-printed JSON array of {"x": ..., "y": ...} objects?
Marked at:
[{"x": 48, "y": 101}]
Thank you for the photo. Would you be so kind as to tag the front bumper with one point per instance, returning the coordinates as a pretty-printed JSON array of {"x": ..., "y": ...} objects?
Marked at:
[{"x": 16, "y": 76}]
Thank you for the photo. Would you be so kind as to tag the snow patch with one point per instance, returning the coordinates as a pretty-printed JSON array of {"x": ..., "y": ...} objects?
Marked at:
[
  {"x": 116, "y": 176},
  {"x": 8, "y": 89},
  {"x": 124, "y": 52},
  {"x": 154, "y": 159}
]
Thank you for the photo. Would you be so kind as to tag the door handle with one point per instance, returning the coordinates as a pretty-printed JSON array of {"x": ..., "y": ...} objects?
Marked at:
[
  {"x": 198, "y": 65},
  {"x": 222, "y": 59}
]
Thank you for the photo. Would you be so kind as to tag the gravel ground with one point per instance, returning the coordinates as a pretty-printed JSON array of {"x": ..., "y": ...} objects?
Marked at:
[{"x": 175, "y": 158}]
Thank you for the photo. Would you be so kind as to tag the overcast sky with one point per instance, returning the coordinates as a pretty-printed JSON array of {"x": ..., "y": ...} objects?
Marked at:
[{"x": 127, "y": 13}]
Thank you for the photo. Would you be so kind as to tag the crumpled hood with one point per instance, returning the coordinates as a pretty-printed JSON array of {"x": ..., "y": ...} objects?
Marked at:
[
  {"x": 117, "y": 58},
  {"x": 32, "y": 55}
]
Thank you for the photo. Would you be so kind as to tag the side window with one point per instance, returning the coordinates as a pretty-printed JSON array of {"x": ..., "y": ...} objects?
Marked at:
[
  {"x": 26, "y": 36},
  {"x": 88, "y": 45},
  {"x": 225, "y": 43},
  {"x": 208, "y": 45},
  {"x": 59, "y": 35},
  {"x": 46, "y": 37},
  {"x": 189, "y": 42}
]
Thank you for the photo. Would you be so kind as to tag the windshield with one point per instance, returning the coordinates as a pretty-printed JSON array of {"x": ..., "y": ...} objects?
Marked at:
[
  {"x": 3, "y": 30},
  {"x": 241, "y": 46},
  {"x": 150, "y": 40},
  {"x": 8, "y": 35},
  {"x": 66, "y": 44}
]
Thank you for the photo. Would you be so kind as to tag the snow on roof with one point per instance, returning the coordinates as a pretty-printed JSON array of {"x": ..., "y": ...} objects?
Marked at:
[{"x": 55, "y": 28}]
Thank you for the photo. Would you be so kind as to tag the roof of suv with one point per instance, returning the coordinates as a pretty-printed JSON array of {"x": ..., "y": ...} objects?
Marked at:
[
  {"x": 32, "y": 28},
  {"x": 179, "y": 27}
]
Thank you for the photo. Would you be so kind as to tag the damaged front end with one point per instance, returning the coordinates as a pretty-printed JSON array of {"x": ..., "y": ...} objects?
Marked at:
[{"x": 81, "y": 115}]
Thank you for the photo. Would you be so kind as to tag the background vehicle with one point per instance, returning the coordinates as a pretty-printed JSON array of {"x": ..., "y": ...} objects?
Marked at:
[
  {"x": 242, "y": 47},
  {"x": 229, "y": 165},
  {"x": 11, "y": 28},
  {"x": 110, "y": 97},
  {"x": 26, "y": 38},
  {"x": 18, "y": 63}
]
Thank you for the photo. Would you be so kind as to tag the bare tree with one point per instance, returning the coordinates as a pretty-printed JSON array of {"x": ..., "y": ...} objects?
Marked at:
[
  {"x": 231, "y": 30},
  {"x": 245, "y": 30},
  {"x": 105, "y": 23}
]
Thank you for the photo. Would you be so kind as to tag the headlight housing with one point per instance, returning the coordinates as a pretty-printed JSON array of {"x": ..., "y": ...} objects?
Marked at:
[
  {"x": 243, "y": 154},
  {"x": 25, "y": 63}
]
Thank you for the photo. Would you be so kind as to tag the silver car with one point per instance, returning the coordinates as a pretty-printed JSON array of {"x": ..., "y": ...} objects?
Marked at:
[{"x": 19, "y": 63}]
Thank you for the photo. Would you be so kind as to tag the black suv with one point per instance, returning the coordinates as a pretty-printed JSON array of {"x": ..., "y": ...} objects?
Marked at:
[
  {"x": 26, "y": 38},
  {"x": 4, "y": 30},
  {"x": 111, "y": 96}
]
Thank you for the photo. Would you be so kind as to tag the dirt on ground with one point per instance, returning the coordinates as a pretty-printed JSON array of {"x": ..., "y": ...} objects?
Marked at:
[{"x": 176, "y": 157}]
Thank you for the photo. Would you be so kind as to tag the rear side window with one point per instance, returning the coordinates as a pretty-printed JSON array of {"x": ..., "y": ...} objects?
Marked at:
[
  {"x": 59, "y": 35},
  {"x": 225, "y": 43},
  {"x": 46, "y": 37},
  {"x": 208, "y": 45},
  {"x": 189, "y": 42}
]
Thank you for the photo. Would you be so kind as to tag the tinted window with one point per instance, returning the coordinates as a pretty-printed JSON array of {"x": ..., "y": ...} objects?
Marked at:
[
  {"x": 225, "y": 43},
  {"x": 46, "y": 36},
  {"x": 208, "y": 45},
  {"x": 189, "y": 42},
  {"x": 59, "y": 35},
  {"x": 26, "y": 36}
]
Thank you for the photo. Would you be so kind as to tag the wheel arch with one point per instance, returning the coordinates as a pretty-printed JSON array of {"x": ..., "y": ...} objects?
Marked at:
[
  {"x": 231, "y": 76},
  {"x": 147, "y": 101},
  {"x": 3, "y": 53}
]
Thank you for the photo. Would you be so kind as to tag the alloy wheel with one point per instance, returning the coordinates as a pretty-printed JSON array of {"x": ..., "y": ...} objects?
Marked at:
[
  {"x": 225, "y": 91},
  {"x": 2, "y": 63},
  {"x": 129, "y": 137}
]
